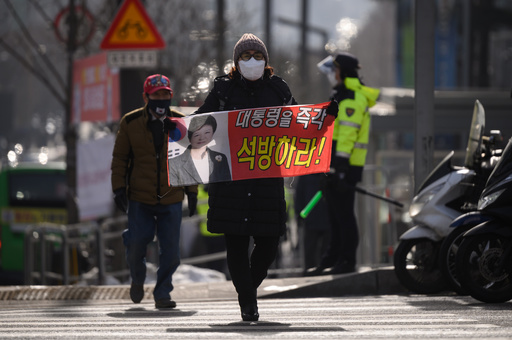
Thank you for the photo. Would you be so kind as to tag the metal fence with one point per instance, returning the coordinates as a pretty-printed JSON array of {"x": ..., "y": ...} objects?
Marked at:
[
  {"x": 93, "y": 251},
  {"x": 56, "y": 254},
  {"x": 67, "y": 254}
]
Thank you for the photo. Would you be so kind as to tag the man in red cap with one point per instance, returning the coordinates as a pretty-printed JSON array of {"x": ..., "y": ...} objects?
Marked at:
[{"x": 141, "y": 189}]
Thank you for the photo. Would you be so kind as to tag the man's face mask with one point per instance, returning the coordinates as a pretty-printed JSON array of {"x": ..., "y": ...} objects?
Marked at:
[
  {"x": 159, "y": 106},
  {"x": 252, "y": 69}
]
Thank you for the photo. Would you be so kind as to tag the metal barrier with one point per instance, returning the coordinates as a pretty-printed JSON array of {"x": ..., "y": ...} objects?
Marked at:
[
  {"x": 109, "y": 230},
  {"x": 45, "y": 242},
  {"x": 50, "y": 237}
]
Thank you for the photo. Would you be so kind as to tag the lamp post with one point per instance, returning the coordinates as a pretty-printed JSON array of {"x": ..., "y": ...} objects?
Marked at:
[{"x": 71, "y": 205}]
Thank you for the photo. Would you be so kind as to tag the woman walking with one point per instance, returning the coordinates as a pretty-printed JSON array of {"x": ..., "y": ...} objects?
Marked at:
[{"x": 253, "y": 208}]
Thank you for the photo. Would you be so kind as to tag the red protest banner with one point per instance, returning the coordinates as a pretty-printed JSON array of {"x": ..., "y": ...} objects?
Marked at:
[
  {"x": 283, "y": 141},
  {"x": 95, "y": 90}
]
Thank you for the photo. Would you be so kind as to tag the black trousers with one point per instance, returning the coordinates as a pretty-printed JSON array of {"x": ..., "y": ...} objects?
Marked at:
[
  {"x": 344, "y": 232},
  {"x": 247, "y": 267}
]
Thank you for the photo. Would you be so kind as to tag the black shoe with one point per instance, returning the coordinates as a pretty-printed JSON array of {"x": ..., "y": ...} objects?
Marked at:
[
  {"x": 343, "y": 268},
  {"x": 136, "y": 292},
  {"x": 315, "y": 271},
  {"x": 250, "y": 312},
  {"x": 165, "y": 303}
]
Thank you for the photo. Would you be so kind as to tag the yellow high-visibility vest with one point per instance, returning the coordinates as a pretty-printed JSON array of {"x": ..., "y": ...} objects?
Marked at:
[
  {"x": 352, "y": 126},
  {"x": 202, "y": 210}
]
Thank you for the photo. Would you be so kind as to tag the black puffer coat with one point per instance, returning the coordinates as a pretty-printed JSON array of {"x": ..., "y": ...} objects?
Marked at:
[{"x": 256, "y": 206}]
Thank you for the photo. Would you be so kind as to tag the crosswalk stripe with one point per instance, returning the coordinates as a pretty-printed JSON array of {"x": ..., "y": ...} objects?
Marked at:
[{"x": 350, "y": 318}]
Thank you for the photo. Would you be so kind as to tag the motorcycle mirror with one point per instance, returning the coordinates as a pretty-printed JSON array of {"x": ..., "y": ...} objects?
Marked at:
[{"x": 475, "y": 135}]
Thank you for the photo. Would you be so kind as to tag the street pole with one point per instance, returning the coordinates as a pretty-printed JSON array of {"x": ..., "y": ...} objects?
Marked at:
[
  {"x": 304, "y": 69},
  {"x": 466, "y": 43},
  {"x": 221, "y": 28},
  {"x": 424, "y": 47},
  {"x": 267, "y": 24},
  {"x": 72, "y": 209}
]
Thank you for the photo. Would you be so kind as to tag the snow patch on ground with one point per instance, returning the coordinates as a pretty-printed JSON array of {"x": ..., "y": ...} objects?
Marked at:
[{"x": 184, "y": 274}]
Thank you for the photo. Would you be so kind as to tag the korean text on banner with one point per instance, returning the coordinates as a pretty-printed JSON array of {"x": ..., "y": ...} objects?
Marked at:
[{"x": 281, "y": 141}]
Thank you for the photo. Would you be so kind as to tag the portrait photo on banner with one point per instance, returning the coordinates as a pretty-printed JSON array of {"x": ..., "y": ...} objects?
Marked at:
[
  {"x": 280, "y": 141},
  {"x": 199, "y": 150}
]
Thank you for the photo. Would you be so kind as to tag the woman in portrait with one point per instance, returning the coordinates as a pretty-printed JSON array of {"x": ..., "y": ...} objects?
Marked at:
[{"x": 198, "y": 163}]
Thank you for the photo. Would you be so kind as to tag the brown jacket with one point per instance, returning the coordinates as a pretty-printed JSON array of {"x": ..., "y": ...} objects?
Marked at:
[{"x": 137, "y": 167}]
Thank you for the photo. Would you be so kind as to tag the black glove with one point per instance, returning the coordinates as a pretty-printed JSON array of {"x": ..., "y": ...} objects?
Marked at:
[
  {"x": 326, "y": 181},
  {"x": 121, "y": 199},
  {"x": 192, "y": 203},
  {"x": 332, "y": 109},
  {"x": 342, "y": 183},
  {"x": 340, "y": 165},
  {"x": 341, "y": 168},
  {"x": 169, "y": 125}
]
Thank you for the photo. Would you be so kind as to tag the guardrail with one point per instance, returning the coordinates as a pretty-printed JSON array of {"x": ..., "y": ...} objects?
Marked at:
[
  {"x": 46, "y": 239},
  {"x": 52, "y": 251}
]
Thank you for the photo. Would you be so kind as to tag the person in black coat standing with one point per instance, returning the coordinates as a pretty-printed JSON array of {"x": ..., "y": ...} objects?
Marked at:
[{"x": 255, "y": 207}]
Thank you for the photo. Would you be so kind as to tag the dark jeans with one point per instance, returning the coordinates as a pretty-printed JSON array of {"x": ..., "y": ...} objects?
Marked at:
[
  {"x": 143, "y": 222},
  {"x": 248, "y": 271}
]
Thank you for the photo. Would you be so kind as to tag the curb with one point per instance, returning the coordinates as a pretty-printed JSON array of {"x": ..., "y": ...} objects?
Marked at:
[{"x": 372, "y": 282}]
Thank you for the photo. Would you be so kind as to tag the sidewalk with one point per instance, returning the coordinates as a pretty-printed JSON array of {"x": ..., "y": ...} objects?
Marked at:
[{"x": 366, "y": 282}]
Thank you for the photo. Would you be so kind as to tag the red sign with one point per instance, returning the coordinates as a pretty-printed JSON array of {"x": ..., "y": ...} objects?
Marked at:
[
  {"x": 95, "y": 90},
  {"x": 85, "y": 22},
  {"x": 132, "y": 29},
  {"x": 282, "y": 141}
]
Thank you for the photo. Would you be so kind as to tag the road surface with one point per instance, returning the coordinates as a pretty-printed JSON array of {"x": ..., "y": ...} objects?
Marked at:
[{"x": 352, "y": 317}]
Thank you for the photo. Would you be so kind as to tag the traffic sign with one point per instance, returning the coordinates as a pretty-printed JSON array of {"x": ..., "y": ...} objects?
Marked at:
[
  {"x": 133, "y": 29},
  {"x": 132, "y": 59},
  {"x": 85, "y": 22}
]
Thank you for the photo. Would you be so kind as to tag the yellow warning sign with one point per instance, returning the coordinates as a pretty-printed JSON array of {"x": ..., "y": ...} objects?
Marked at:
[{"x": 132, "y": 29}]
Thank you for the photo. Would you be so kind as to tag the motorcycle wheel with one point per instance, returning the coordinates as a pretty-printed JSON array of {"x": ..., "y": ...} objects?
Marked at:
[
  {"x": 477, "y": 267},
  {"x": 416, "y": 266},
  {"x": 448, "y": 254}
]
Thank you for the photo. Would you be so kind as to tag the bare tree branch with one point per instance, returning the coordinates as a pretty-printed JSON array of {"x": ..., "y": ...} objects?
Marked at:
[
  {"x": 41, "y": 11},
  {"x": 35, "y": 45},
  {"x": 39, "y": 75}
]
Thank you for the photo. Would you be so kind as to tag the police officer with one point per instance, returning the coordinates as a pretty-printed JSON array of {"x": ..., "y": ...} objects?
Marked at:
[{"x": 350, "y": 145}]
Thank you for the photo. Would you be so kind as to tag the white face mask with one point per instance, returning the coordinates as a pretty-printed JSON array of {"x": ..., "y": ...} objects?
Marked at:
[
  {"x": 332, "y": 78},
  {"x": 252, "y": 69}
]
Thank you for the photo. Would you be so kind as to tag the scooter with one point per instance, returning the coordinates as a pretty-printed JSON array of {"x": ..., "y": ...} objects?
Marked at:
[
  {"x": 447, "y": 192},
  {"x": 483, "y": 262},
  {"x": 460, "y": 225}
]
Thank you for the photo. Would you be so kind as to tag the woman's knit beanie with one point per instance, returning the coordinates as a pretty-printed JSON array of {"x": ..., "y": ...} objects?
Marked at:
[{"x": 249, "y": 41}]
